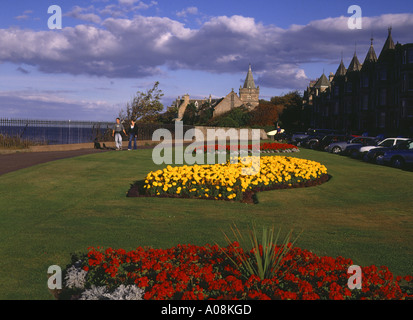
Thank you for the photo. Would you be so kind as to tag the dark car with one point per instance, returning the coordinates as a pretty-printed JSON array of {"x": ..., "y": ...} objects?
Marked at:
[
  {"x": 297, "y": 137},
  {"x": 301, "y": 138},
  {"x": 398, "y": 158},
  {"x": 375, "y": 155},
  {"x": 321, "y": 142}
]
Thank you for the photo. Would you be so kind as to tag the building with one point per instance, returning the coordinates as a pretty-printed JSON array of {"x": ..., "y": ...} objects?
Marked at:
[
  {"x": 248, "y": 97},
  {"x": 374, "y": 97}
]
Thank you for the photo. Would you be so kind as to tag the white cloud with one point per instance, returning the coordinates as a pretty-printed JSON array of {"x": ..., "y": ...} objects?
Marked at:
[
  {"x": 187, "y": 11},
  {"x": 142, "y": 46},
  {"x": 77, "y": 13}
]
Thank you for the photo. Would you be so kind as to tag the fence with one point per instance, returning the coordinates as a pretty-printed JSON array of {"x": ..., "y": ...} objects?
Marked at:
[{"x": 68, "y": 132}]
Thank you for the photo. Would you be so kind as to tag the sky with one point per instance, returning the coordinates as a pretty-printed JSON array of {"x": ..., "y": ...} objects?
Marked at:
[{"x": 108, "y": 50}]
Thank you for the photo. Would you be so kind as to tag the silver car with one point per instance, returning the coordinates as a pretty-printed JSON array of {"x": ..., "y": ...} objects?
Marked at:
[{"x": 340, "y": 146}]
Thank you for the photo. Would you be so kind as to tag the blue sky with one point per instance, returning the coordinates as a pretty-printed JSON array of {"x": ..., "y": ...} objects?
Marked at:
[{"x": 109, "y": 49}]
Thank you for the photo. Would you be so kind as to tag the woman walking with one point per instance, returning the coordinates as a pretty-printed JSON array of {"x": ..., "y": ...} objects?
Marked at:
[{"x": 133, "y": 134}]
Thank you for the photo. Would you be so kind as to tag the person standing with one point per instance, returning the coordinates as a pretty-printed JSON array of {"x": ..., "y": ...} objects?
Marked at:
[
  {"x": 133, "y": 134},
  {"x": 117, "y": 133}
]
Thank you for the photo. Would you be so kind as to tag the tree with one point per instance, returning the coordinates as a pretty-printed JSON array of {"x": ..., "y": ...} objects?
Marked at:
[
  {"x": 237, "y": 117},
  {"x": 292, "y": 115},
  {"x": 144, "y": 107},
  {"x": 190, "y": 116},
  {"x": 205, "y": 113},
  {"x": 266, "y": 114},
  {"x": 169, "y": 116}
]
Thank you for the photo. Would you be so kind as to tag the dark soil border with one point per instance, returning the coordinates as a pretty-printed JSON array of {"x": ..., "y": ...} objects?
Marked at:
[{"x": 250, "y": 196}]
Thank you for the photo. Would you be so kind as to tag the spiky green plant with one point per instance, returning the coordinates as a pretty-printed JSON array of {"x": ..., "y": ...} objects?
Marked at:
[{"x": 266, "y": 258}]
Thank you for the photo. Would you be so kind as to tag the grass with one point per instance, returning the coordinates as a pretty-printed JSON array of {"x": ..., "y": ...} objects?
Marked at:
[{"x": 51, "y": 210}]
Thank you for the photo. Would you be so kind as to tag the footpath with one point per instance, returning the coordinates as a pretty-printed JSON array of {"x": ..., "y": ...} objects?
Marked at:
[{"x": 12, "y": 160}]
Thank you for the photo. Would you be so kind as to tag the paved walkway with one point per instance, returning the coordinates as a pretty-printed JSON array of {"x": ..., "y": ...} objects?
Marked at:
[{"x": 16, "y": 161}]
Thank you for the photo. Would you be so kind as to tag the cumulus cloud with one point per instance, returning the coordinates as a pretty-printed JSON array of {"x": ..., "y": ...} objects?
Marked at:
[
  {"x": 78, "y": 13},
  {"x": 124, "y": 47}
]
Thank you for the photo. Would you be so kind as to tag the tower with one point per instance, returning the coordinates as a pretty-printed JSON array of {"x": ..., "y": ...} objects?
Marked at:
[{"x": 249, "y": 93}]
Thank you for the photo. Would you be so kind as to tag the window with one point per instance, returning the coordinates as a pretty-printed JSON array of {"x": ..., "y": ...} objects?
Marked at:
[
  {"x": 336, "y": 108},
  {"x": 410, "y": 57},
  {"x": 387, "y": 143},
  {"x": 365, "y": 81},
  {"x": 383, "y": 95},
  {"x": 365, "y": 102},
  {"x": 349, "y": 87},
  {"x": 403, "y": 111},
  {"x": 383, "y": 75},
  {"x": 404, "y": 82},
  {"x": 382, "y": 120},
  {"x": 410, "y": 84}
]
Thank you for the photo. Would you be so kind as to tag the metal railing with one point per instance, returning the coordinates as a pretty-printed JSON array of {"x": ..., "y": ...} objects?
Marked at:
[{"x": 69, "y": 132}]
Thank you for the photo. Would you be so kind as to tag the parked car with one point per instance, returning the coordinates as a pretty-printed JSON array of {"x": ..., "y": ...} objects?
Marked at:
[
  {"x": 321, "y": 142},
  {"x": 310, "y": 140},
  {"x": 386, "y": 143},
  {"x": 354, "y": 150},
  {"x": 399, "y": 158},
  {"x": 341, "y": 146},
  {"x": 299, "y": 138},
  {"x": 375, "y": 155}
]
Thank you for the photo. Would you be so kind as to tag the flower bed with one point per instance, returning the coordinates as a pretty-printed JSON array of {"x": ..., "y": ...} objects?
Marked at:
[
  {"x": 231, "y": 181},
  {"x": 206, "y": 272},
  {"x": 267, "y": 147}
]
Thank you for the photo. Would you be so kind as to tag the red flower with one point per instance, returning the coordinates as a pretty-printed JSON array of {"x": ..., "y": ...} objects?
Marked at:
[{"x": 195, "y": 272}]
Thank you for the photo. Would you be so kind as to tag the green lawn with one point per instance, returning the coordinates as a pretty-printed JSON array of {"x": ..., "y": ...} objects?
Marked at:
[{"x": 51, "y": 210}]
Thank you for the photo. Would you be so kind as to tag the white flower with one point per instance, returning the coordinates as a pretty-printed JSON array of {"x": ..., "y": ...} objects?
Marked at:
[
  {"x": 95, "y": 293},
  {"x": 75, "y": 277},
  {"x": 130, "y": 292}
]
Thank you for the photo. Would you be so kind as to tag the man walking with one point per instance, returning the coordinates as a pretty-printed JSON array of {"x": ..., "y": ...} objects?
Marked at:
[{"x": 117, "y": 129}]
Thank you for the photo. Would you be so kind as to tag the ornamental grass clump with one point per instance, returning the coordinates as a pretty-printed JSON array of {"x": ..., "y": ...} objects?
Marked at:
[{"x": 265, "y": 258}]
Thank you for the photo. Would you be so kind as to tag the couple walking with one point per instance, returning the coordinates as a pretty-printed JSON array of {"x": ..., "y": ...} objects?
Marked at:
[{"x": 118, "y": 128}]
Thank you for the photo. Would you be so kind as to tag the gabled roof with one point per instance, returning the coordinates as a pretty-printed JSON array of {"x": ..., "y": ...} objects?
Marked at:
[
  {"x": 322, "y": 82},
  {"x": 355, "y": 64},
  {"x": 371, "y": 54},
  {"x": 388, "y": 45},
  {"x": 249, "y": 80}
]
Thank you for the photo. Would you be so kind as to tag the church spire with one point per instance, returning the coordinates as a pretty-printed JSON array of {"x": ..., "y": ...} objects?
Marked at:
[{"x": 249, "y": 80}]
